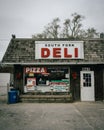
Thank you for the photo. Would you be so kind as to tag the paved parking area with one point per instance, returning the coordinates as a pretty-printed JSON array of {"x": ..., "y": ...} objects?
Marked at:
[{"x": 51, "y": 116}]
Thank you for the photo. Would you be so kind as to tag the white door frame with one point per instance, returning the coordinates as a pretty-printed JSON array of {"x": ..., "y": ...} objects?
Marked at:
[{"x": 87, "y": 90}]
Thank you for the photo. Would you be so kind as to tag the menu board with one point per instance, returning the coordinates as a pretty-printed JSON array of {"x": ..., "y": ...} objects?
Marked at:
[{"x": 31, "y": 83}]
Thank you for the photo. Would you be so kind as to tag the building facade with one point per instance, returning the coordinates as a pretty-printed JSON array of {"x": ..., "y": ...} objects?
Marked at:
[{"x": 58, "y": 66}]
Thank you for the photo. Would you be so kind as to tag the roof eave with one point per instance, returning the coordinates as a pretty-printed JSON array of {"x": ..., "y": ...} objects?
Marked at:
[{"x": 55, "y": 63}]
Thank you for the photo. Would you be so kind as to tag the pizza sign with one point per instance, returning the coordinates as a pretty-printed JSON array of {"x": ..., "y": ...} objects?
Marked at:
[{"x": 35, "y": 70}]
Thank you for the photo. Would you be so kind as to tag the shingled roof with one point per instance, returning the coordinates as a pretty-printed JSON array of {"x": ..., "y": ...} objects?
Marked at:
[{"x": 22, "y": 51}]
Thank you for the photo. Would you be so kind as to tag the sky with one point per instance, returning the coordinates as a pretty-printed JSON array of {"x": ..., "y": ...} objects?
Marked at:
[{"x": 27, "y": 17}]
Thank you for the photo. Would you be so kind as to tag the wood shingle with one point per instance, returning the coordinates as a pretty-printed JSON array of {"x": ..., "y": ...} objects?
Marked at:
[{"x": 23, "y": 51}]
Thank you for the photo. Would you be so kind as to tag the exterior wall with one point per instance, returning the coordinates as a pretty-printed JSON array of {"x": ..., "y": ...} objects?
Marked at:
[
  {"x": 75, "y": 82},
  {"x": 98, "y": 78},
  {"x": 99, "y": 82},
  {"x": 18, "y": 77},
  {"x": 103, "y": 83}
]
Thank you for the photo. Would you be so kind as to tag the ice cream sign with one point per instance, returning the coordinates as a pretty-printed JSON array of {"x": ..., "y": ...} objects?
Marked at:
[{"x": 59, "y": 50}]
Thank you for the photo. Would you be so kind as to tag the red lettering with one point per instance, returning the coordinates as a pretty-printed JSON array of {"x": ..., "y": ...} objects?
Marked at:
[
  {"x": 27, "y": 69},
  {"x": 76, "y": 52},
  {"x": 38, "y": 70},
  {"x": 35, "y": 70},
  {"x": 66, "y": 55},
  {"x": 56, "y": 52},
  {"x": 45, "y": 52}
]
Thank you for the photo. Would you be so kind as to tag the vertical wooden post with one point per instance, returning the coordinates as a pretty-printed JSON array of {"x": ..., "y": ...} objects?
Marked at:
[
  {"x": 7, "y": 88},
  {"x": 7, "y": 91},
  {"x": 103, "y": 85}
]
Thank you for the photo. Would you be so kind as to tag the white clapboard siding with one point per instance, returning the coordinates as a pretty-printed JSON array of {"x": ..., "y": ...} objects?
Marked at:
[{"x": 4, "y": 79}]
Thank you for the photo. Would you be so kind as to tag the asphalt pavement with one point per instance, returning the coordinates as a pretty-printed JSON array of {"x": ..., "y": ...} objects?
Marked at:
[{"x": 51, "y": 116}]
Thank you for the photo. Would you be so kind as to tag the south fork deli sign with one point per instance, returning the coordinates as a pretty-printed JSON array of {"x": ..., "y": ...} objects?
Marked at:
[{"x": 59, "y": 50}]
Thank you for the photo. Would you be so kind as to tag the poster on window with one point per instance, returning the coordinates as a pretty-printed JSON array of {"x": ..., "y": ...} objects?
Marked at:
[
  {"x": 60, "y": 85},
  {"x": 31, "y": 83}
]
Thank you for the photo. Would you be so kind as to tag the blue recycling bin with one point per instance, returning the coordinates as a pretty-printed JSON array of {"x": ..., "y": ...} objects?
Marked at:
[{"x": 12, "y": 96}]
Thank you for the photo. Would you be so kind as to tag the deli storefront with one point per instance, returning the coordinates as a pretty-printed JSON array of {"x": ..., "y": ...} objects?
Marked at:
[
  {"x": 58, "y": 67},
  {"x": 76, "y": 81},
  {"x": 53, "y": 79}
]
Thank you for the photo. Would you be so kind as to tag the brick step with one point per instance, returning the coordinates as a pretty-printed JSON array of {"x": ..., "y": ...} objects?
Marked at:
[{"x": 45, "y": 98}]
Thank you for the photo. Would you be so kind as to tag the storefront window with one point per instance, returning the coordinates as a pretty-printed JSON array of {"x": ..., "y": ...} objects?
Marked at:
[{"x": 46, "y": 79}]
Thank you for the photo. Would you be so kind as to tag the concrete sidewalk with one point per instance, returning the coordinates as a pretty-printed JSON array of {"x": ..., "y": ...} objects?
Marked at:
[{"x": 52, "y": 116}]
